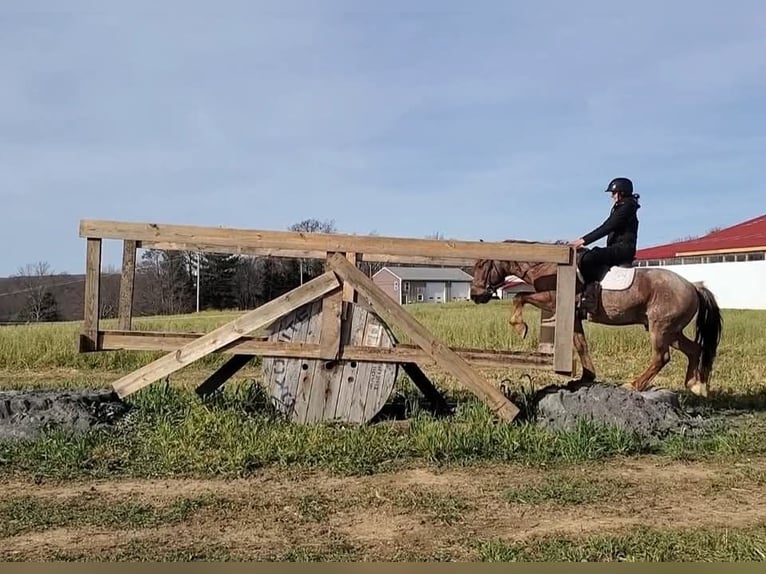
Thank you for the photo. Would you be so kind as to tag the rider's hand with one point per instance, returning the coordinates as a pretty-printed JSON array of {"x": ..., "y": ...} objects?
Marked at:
[{"x": 577, "y": 243}]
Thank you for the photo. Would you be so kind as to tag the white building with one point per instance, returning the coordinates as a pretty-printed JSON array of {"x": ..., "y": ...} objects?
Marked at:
[
  {"x": 731, "y": 262},
  {"x": 424, "y": 284}
]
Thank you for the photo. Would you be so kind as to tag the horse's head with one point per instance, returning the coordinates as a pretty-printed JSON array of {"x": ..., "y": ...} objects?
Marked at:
[{"x": 488, "y": 276}]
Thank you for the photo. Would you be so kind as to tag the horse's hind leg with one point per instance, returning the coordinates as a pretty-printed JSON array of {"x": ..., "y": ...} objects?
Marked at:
[
  {"x": 660, "y": 339},
  {"x": 692, "y": 351}
]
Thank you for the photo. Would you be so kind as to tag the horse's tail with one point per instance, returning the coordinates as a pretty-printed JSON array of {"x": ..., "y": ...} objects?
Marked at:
[{"x": 709, "y": 328}]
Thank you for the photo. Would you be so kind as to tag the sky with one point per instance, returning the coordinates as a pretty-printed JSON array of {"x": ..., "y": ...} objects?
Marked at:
[{"x": 233, "y": 113}]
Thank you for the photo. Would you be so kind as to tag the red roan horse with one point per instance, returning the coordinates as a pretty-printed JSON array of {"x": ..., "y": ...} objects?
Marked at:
[{"x": 659, "y": 299}]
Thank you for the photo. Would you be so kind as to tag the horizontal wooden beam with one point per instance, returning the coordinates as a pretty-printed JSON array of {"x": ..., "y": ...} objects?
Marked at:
[
  {"x": 112, "y": 340},
  {"x": 304, "y": 253},
  {"x": 293, "y": 242}
]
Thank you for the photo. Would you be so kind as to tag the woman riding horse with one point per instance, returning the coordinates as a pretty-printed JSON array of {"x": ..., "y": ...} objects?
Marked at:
[{"x": 621, "y": 231}]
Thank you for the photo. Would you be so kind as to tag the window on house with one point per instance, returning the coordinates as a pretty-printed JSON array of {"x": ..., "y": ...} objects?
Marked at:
[{"x": 758, "y": 256}]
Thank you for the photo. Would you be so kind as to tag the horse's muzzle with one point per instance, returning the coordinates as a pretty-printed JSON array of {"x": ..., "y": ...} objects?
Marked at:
[{"x": 481, "y": 296}]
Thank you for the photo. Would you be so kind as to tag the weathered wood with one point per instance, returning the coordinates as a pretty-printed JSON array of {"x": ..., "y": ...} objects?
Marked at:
[
  {"x": 92, "y": 312},
  {"x": 226, "y": 334},
  {"x": 313, "y": 389},
  {"x": 563, "y": 348},
  {"x": 223, "y": 374},
  {"x": 111, "y": 340},
  {"x": 329, "y": 336},
  {"x": 394, "y": 314},
  {"x": 324, "y": 242},
  {"x": 547, "y": 332},
  {"x": 348, "y": 291},
  {"x": 127, "y": 283},
  {"x": 384, "y": 258}
]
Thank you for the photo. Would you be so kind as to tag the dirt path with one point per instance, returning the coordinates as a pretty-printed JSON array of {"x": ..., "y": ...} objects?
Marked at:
[{"x": 418, "y": 513}]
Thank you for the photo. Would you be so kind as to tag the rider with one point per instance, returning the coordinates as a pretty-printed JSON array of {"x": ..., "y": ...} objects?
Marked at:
[{"x": 621, "y": 231}]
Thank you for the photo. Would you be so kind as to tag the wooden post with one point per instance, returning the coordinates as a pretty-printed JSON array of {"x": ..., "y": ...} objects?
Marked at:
[
  {"x": 563, "y": 348},
  {"x": 92, "y": 312},
  {"x": 547, "y": 338},
  {"x": 126, "y": 285}
]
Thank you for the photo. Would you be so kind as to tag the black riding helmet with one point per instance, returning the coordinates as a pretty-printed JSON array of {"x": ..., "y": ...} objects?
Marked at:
[{"x": 621, "y": 185}]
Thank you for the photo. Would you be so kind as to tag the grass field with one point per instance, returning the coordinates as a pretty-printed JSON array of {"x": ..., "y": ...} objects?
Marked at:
[{"x": 228, "y": 479}]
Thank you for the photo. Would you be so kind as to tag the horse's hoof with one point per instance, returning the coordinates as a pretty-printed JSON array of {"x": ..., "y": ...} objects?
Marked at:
[{"x": 699, "y": 389}]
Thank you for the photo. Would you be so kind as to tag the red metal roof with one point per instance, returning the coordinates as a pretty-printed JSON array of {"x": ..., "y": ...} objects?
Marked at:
[{"x": 749, "y": 235}]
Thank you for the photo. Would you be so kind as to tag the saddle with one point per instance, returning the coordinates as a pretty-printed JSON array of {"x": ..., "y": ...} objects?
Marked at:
[{"x": 608, "y": 278}]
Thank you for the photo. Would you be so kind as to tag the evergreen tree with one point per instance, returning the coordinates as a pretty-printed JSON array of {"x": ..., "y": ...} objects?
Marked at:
[{"x": 218, "y": 281}]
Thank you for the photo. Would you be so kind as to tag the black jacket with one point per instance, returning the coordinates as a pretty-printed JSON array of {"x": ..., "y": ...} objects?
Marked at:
[{"x": 620, "y": 228}]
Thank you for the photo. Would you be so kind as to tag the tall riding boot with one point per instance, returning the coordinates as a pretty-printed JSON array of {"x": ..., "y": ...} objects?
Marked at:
[
  {"x": 590, "y": 297},
  {"x": 589, "y": 301}
]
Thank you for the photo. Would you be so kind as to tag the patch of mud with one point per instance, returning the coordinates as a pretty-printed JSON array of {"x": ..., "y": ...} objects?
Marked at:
[
  {"x": 651, "y": 414},
  {"x": 24, "y": 415}
]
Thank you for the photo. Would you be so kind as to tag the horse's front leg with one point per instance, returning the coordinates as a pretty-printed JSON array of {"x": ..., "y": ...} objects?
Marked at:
[{"x": 541, "y": 300}]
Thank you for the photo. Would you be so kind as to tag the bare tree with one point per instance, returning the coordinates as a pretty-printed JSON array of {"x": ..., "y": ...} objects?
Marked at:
[{"x": 40, "y": 303}]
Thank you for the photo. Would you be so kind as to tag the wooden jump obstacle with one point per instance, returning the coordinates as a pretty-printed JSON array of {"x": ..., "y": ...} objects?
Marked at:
[{"x": 329, "y": 352}]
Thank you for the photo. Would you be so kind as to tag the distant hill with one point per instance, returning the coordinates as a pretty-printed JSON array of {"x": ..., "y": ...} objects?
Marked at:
[{"x": 68, "y": 292}]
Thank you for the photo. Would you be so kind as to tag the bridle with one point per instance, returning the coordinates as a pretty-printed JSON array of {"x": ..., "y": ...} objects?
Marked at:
[{"x": 492, "y": 267}]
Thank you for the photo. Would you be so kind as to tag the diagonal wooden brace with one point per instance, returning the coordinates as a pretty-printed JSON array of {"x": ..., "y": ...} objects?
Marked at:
[
  {"x": 392, "y": 313},
  {"x": 222, "y": 336}
]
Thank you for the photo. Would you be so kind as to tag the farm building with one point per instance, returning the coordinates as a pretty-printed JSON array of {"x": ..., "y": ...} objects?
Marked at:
[
  {"x": 730, "y": 261},
  {"x": 424, "y": 284}
]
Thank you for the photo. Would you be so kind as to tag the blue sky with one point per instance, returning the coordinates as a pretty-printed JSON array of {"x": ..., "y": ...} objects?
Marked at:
[{"x": 231, "y": 113}]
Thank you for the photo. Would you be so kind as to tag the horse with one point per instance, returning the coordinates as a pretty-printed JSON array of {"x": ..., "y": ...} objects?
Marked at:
[{"x": 659, "y": 299}]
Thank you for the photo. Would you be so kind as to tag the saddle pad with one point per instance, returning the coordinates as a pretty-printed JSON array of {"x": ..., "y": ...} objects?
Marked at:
[{"x": 618, "y": 278}]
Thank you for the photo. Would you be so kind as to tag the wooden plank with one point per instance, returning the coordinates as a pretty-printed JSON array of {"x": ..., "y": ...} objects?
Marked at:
[
  {"x": 329, "y": 335},
  {"x": 426, "y": 386},
  {"x": 299, "y": 372},
  {"x": 92, "y": 310},
  {"x": 348, "y": 290},
  {"x": 547, "y": 332},
  {"x": 394, "y": 314},
  {"x": 212, "y": 247},
  {"x": 225, "y": 334},
  {"x": 223, "y": 374},
  {"x": 127, "y": 283},
  {"x": 563, "y": 347},
  {"x": 384, "y": 258},
  {"x": 324, "y": 242},
  {"x": 164, "y": 342}
]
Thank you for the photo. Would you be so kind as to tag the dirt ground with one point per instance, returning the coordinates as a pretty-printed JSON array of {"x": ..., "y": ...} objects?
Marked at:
[{"x": 416, "y": 513}]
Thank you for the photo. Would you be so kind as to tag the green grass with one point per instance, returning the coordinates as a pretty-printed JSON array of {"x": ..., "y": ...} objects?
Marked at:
[
  {"x": 171, "y": 433},
  {"x": 22, "y": 514},
  {"x": 568, "y": 491},
  {"x": 639, "y": 545}
]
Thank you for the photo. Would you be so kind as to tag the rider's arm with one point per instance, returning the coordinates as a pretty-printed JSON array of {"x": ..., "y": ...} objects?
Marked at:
[{"x": 617, "y": 218}]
